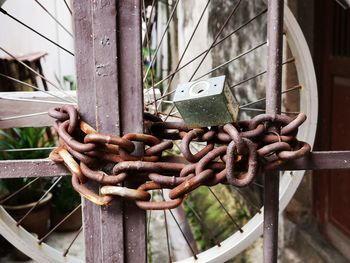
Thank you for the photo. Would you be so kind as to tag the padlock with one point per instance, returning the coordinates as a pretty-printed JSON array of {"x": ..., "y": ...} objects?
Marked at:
[{"x": 206, "y": 103}]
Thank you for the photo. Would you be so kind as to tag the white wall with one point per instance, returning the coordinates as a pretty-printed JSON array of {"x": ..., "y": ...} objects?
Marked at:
[
  {"x": 20, "y": 41},
  {"x": 188, "y": 15}
]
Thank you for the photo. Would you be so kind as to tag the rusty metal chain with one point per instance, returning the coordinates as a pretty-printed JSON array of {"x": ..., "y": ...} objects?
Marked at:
[{"x": 230, "y": 154}]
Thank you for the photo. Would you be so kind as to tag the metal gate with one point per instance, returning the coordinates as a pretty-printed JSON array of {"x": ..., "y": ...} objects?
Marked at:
[{"x": 110, "y": 97}]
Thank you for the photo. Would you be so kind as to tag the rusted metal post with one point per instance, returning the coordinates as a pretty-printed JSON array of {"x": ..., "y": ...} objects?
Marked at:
[
  {"x": 273, "y": 106},
  {"x": 109, "y": 75},
  {"x": 85, "y": 81},
  {"x": 131, "y": 112}
]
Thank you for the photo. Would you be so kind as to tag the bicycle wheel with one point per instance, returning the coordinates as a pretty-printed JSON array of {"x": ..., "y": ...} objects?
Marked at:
[
  {"x": 248, "y": 95},
  {"x": 188, "y": 42}
]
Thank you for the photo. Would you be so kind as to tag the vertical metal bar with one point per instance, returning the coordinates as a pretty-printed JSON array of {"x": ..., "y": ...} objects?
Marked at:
[
  {"x": 86, "y": 98},
  {"x": 275, "y": 46},
  {"x": 131, "y": 108},
  {"x": 108, "y": 116},
  {"x": 273, "y": 106},
  {"x": 109, "y": 74}
]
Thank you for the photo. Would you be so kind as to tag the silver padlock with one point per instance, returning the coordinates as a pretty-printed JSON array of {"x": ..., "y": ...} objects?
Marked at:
[{"x": 206, "y": 103}]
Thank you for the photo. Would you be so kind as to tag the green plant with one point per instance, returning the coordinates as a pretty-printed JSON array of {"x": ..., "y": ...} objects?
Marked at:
[
  {"x": 212, "y": 214},
  {"x": 20, "y": 138},
  {"x": 23, "y": 138},
  {"x": 146, "y": 63},
  {"x": 196, "y": 227},
  {"x": 70, "y": 80},
  {"x": 65, "y": 198}
]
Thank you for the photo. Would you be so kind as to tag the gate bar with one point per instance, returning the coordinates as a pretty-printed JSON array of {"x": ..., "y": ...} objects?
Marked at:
[
  {"x": 47, "y": 168},
  {"x": 273, "y": 106},
  {"x": 131, "y": 113},
  {"x": 338, "y": 160},
  {"x": 84, "y": 60},
  {"x": 109, "y": 75}
]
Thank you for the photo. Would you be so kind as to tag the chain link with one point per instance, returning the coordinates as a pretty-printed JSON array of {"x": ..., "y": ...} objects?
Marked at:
[{"x": 231, "y": 154}]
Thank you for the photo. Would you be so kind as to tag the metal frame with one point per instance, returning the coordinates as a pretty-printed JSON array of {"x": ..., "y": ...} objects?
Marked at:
[{"x": 103, "y": 44}]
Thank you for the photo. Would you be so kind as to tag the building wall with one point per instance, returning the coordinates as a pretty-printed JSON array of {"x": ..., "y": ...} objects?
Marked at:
[
  {"x": 19, "y": 40},
  {"x": 248, "y": 37}
]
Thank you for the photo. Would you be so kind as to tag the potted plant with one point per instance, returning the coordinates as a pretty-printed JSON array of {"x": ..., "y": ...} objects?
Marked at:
[{"x": 38, "y": 221}]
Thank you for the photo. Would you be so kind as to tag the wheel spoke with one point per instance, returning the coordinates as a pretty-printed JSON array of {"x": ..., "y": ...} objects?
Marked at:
[
  {"x": 226, "y": 211},
  {"x": 247, "y": 199},
  {"x": 183, "y": 234},
  {"x": 167, "y": 235},
  {"x": 59, "y": 223},
  {"x": 167, "y": 115},
  {"x": 216, "y": 44},
  {"x": 149, "y": 215},
  {"x": 187, "y": 46},
  {"x": 263, "y": 110},
  {"x": 203, "y": 225},
  {"x": 23, "y": 116},
  {"x": 54, "y": 18},
  {"x": 28, "y": 149},
  {"x": 296, "y": 87},
  {"x": 165, "y": 94},
  {"x": 36, "y": 73},
  {"x": 148, "y": 23},
  {"x": 19, "y": 190},
  {"x": 233, "y": 11},
  {"x": 290, "y": 60},
  {"x": 166, "y": 229},
  {"x": 68, "y": 8},
  {"x": 150, "y": 58},
  {"x": 65, "y": 253},
  {"x": 170, "y": 112},
  {"x": 33, "y": 87},
  {"x": 35, "y": 31},
  {"x": 148, "y": 226},
  {"x": 231, "y": 60},
  {"x": 161, "y": 40},
  {"x": 216, "y": 68},
  {"x": 38, "y": 101},
  {"x": 37, "y": 203}
]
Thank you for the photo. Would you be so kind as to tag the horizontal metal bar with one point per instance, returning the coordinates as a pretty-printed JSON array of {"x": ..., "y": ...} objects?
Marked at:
[
  {"x": 320, "y": 161},
  {"x": 47, "y": 168},
  {"x": 313, "y": 161},
  {"x": 31, "y": 168}
]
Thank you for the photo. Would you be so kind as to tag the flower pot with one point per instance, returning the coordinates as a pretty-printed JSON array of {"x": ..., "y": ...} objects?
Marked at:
[
  {"x": 38, "y": 221},
  {"x": 73, "y": 223}
]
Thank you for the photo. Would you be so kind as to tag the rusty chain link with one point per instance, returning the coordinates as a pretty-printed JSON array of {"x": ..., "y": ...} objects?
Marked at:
[{"x": 230, "y": 154}]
